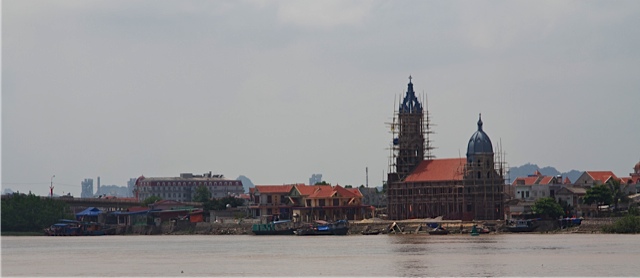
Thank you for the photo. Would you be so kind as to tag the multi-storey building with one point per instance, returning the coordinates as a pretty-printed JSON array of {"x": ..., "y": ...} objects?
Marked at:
[
  {"x": 455, "y": 188},
  {"x": 308, "y": 202},
  {"x": 183, "y": 188},
  {"x": 87, "y": 188}
]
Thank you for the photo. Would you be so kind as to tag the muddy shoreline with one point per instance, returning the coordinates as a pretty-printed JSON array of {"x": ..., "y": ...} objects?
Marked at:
[{"x": 356, "y": 227}]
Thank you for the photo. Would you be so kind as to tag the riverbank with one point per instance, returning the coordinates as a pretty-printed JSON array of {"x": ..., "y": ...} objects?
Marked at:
[{"x": 411, "y": 226}]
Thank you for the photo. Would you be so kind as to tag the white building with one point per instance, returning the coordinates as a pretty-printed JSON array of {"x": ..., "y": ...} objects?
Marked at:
[{"x": 183, "y": 188}]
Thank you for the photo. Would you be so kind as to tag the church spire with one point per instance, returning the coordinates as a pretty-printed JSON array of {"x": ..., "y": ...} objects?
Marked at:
[
  {"x": 480, "y": 121},
  {"x": 410, "y": 104}
]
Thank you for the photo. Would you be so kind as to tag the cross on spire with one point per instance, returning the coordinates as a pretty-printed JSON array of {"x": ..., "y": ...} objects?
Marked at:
[{"x": 409, "y": 78}]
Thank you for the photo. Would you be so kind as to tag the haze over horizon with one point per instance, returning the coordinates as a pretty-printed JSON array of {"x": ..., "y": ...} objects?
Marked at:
[{"x": 279, "y": 90}]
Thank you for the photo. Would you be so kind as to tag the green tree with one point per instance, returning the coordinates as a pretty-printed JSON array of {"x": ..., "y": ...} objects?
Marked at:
[
  {"x": 599, "y": 194},
  {"x": 618, "y": 192},
  {"x": 348, "y": 186},
  {"x": 31, "y": 213},
  {"x": 566, "y": 207},
  {"x": 322, "y": 183},
  {"x": 548, "y": 207},
  {"x": 630, "y": 224},
  {"x": 202, "y": 194},
  {"x": 150, "y": 200}
]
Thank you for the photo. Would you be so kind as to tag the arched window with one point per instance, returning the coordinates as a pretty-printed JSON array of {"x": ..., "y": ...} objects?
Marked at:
[{"x": 479, "y": 174}]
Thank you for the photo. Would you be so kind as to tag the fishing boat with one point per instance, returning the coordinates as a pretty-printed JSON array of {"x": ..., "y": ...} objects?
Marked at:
[
  {"x": 519, "y": 226},
  {"x": 368, "y": 231},
  {"x": 64, "y": 227},
  {"x": 320, "y": 227},
  {"x": 282, "y": 227}
]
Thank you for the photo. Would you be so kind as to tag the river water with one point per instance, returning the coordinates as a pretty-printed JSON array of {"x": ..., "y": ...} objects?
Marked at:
[{"x": 277, "y": 256}]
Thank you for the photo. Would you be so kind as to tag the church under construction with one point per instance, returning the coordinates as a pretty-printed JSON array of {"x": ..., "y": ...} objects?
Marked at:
[{"x": 421, "y": 186}]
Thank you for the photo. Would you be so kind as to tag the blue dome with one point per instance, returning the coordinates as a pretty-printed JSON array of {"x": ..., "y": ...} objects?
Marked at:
[{"x": 479, "y": 142}]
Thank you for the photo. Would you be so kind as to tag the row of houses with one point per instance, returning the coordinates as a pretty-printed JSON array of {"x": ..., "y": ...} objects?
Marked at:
[
  {"x": 300, "y": 202},
  {"x": 524, "y": 191}
]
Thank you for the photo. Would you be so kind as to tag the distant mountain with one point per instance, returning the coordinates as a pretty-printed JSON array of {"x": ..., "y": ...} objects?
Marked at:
[
  {"x": 529, "y": 169},
  {"x": 246, "y": 183},
  {"x": 7, "y": 191}
]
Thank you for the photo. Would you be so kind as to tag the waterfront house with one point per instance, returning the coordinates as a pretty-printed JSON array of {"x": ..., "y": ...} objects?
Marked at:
[
  {"x": 301, "y": 202},
  {"x": 270, "y": 200},
  {"x": 589, "y": 179}
]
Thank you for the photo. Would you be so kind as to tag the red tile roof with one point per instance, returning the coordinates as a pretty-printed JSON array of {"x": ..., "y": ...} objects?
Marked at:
[
  {"x": 326, "y": 191},
  {"x": 527, "y": 180},
  {"x": 443, "y": 169},
  {"x": 545, "y": 180},
  {"x": 602, "y": 176},
  {"x": 345, "y": 192},
  {"x": 308, "y": 190},
  {"x": 272, "y": 189},
  {"x": 323, "y": 191},
  {"x": 355, "y": 191},
  {"x": 567, "y": 180}
]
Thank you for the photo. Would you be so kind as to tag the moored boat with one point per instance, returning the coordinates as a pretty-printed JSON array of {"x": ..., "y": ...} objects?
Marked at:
[
  {"x": 371, "y": 232},
  {"x": 340, "y": 227},
  {"x": 520, "y": 226},
  {"x": 64, "y": 227},
  {"x": 282, "y": 227}
]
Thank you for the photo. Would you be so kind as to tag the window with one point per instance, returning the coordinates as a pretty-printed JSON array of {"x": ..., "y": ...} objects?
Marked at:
[
  {"x": 322, "y": 204},
  {"x": 269, "y": 200},
  {"x": 336, "y": 202}
]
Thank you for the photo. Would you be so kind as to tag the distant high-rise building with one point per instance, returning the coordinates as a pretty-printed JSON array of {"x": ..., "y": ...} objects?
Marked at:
[
  {"x": 87, "y": 188},
  {"x": 131, "y": 185},
  {"x": 315, "y": 178}
]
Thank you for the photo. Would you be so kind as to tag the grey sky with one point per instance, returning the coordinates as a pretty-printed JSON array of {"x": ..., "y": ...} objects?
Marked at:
[{"x": 279, "y": 90}]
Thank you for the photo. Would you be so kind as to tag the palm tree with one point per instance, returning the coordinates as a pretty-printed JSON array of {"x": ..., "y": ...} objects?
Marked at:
[{"x": 618, "y": 192}]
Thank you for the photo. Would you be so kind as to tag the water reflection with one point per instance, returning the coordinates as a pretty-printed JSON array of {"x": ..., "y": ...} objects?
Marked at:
[{"x": 384, "y": 255}]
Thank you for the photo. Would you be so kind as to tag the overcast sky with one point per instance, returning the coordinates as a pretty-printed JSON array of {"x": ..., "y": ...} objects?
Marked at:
[{"x": 280, "y": 90}]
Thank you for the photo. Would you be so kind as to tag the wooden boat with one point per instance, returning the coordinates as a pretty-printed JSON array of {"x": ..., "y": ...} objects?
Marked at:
[
  {"x": 520, "y": 226},
  {"x": 340, "y": 227},
  {"x": 64, "y": 227},
  {"x": 371, "y": 232},
  {"x": 282, "y": 227}
]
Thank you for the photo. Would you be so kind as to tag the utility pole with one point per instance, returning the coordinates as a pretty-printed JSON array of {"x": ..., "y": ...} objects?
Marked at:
[
  {"x": 51, "y": 187},
  {"x": 367, "y": 170}
]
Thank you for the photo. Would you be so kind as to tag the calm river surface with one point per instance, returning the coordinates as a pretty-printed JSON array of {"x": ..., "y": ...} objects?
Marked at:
[{"x": 277, "y": 256}]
